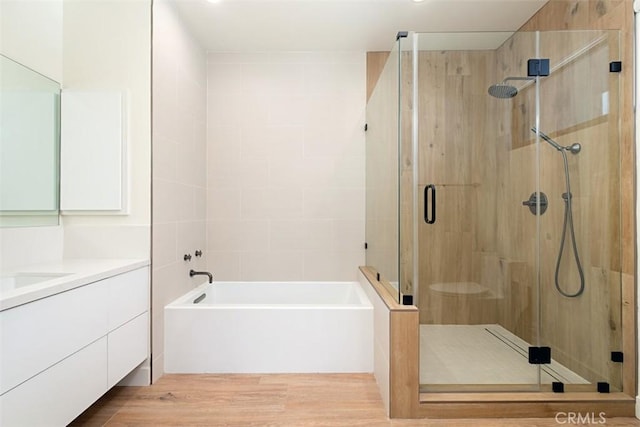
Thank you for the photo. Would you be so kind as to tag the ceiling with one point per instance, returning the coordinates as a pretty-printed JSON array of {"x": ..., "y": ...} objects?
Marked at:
[{"x": 344, "y": 25}]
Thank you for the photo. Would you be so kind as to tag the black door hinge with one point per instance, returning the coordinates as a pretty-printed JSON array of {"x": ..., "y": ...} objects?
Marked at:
[
  {"x": 538, "y": 67},
  {"x": 615, "y": 66},
  {"x": 617, "y": 356},
  {"x": 539, "y": 355}
]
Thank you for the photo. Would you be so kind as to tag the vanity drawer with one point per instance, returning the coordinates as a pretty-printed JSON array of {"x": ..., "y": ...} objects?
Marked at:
[
  {"x": 59, "y": 394},
  {"x": 128, "y": 296},
  {"x": 128, "y": 347},
  {"x": 37, "y": 335}
]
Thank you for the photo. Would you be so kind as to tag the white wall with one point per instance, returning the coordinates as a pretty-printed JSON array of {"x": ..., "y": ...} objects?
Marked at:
[
  {"x": 286, "y": 176},
  {"x": 107, "y": 46},
  {"x": 179, "y": 165},
  {"x": 31, "y": 33}
]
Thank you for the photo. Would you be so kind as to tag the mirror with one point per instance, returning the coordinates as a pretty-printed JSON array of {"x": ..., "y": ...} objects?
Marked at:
[{"x": 29, "y": 146}]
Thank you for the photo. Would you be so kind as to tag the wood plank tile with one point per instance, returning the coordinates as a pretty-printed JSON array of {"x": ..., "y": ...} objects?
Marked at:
[
  {"x": 267, "y": 400},
  {"x": 105, "y": 408}
]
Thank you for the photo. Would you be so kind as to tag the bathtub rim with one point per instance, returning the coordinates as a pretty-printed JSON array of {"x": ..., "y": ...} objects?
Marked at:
[{"x": 185, "y": 301}]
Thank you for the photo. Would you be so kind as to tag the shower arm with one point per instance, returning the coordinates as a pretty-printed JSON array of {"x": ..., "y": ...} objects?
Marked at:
[{"x": 516, "y": 78}]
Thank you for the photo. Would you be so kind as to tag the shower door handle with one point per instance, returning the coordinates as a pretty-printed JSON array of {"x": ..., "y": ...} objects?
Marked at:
[{"x": 430, "y": 219}]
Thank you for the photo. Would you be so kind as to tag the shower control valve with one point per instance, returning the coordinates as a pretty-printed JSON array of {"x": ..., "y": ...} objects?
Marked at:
[{"x": 532, "y": 203}]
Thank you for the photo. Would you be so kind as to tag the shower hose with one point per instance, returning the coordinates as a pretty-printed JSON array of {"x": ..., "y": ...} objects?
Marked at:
[{"x": 568, "y": 220}]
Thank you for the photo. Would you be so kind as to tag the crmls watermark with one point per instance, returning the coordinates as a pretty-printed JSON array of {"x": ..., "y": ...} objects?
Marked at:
[{"x": 580, "y": 418}]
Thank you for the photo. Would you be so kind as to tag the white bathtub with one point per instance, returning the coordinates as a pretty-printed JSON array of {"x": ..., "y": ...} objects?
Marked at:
[{"x": 270, "y": 327}]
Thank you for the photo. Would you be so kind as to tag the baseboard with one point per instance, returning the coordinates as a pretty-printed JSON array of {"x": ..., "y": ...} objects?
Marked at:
[
  {"x": 638, "y": 407},
  {"x": 158, "y": 368}
]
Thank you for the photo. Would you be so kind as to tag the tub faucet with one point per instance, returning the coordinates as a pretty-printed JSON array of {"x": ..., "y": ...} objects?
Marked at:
[{"x": 201, "y": 273}]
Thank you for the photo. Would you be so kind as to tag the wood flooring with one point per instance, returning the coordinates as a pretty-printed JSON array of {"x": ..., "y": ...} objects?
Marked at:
[{"x": 266, "y": 400}]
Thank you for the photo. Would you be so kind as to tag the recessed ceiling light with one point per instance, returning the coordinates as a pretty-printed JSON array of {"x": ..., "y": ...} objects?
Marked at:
[
  {"x": 213, "y": 1},
  {"x": 417, "y": 1}
]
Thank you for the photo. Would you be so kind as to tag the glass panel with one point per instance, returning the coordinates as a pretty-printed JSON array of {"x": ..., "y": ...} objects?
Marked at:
[
  {"x": 382, "y": 173},
  {"x": 478, "y": 259},
  {"x": 29, "y": 146},
  {"x": 580, "y": 275},
  {"x": 407, "y": 201}
]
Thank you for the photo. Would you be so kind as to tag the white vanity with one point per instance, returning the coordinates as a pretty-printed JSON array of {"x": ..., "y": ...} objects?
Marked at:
[{"x": 69, "y": 331}]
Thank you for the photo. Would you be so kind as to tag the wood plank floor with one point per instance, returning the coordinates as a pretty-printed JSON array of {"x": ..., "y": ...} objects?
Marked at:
[{"x": 266, "y": 400}]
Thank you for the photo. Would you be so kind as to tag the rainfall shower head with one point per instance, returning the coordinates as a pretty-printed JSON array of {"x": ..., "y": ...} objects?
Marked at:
[{"x": 504, "y": 90}]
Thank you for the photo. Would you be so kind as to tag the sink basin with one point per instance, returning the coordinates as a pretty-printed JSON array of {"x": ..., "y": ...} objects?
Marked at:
[{"x": 19, "y": 280}]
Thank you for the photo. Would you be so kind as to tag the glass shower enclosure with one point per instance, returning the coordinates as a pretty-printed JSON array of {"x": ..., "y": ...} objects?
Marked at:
[{"x": 493, "y": 205}]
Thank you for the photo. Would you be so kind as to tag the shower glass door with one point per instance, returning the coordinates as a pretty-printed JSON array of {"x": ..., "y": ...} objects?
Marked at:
[
  {"x": 477, "y": 163},
  {"x": 490, "y": 141}
]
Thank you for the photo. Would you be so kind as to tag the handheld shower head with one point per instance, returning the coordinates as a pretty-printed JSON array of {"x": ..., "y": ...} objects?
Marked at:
[
  {"x": 573, "y": 148},
  {"x": 503, "y": 90}
]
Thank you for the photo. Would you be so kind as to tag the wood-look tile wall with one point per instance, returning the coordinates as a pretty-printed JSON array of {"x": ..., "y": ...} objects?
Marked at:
[{"x": 459, "y": 155}]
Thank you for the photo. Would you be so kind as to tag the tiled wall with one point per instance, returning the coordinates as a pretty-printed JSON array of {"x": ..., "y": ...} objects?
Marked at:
[
  {"x": 179, "y": 165},
  {"x": 285, "y": 165}
]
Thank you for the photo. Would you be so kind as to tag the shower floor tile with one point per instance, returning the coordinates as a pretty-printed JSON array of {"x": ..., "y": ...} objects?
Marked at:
[{"x": 482, "y": 354}]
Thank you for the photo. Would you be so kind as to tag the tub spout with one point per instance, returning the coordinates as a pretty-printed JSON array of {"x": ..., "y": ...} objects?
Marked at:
[{"x": 201, "y": 273}]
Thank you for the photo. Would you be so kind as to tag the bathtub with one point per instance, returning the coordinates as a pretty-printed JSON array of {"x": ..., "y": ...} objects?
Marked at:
[{"x": 270, "y": 327}]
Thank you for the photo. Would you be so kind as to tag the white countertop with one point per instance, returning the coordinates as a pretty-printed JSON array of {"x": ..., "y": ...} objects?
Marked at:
[{"x": 77, "y": 272}]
